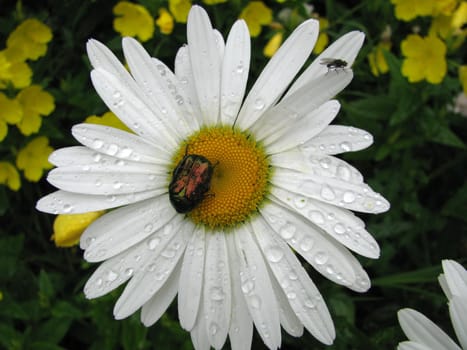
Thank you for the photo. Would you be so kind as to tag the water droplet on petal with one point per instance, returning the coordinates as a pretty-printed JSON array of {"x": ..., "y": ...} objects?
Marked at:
[
  {"x": 288, "y": 231},
  {"x": 129, "y": 271},
  {"x": 112, "y": 149},
  {"x": 111, "y": 276},
  {"x": 339, "y": 229},
  {"x": 274, "y": 254},
  {"x": 213, "y": 328},
  {"x": 327, "y": 193},
  {"x": 316, "y": 217},
  {"x": 300, "y": 202},
  {"x": 343, "y": 172},
  {"x": 255, "y": 302},
  {"x": 291, "y": 295},
  {"x": 309, "y": 304},
  {"x": 348, "y": 197},
  {"x": 169, "y": 253},
  {"x": 153, "y": 243},
  {"x": 346, "y": 146},
  {"x": 97, "y": 143},
  {"x": 67, "y": 208},
  {"x": 217, "y": 294},
  {"x": 325, "y": 163},
  {"x": 321, "y": 258},
  {"x": 248, "y": 286},
  {"x": 306, "y": 244},
  {"x": 259, "y": 104}
]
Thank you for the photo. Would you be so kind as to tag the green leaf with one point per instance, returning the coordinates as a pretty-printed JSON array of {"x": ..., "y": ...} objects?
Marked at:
[
  {"x": 429, "y": 274},
  {"x": 10, "y": 248},
  {"x": 52, "y": 330},
  {"x": 456, "y": 206}
]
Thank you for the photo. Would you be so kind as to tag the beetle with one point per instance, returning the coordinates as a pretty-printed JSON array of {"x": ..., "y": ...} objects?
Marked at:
[
  {"x": 333, "y": 63},
  {"x": 191, "y": 179}
]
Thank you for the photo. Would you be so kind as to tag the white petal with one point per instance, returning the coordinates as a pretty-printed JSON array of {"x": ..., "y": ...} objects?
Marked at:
[
  {"x": 62, "y": 202},
  {"x": 298, "y": 105},
  {"x": 410, "y": 345},
  {"x": 335, "y": 139},
  {"x": 456, "y": 277},
  {"x": 295, "y": 134},
  {"x": 120, "y": 144},
  {"x": 124, "y": 227},
  {"x": 132, "y": 110},
  {"x": 241, "y": 324},
  {"x": 278, "y": 73},
  {"x": 257, "y": 289},
  {"x": 205, "y": 63},
  {"x": 159, "y": 302},
  {"x": 304, "y": 297},
  {"x": 345, "y": 48},
  {"x": 199, "y": 335},
  {"x": 289, "y": 321},
  {"x": 217, "y": 295},
  {"x": 220, "y": 43},
  {"x": 235, "y": 68},
  {"x": 417, "y": 327},
  {"x": 184, "y": 74},
  {"x": 114, "y": 179},
  {"x": 458, "y": 313},
  {"x": 333, "y": 191},
  {"x": 153, "y": 275},
  {"x": 191, "y": 279},
  {"x": 320, "y": 251}
]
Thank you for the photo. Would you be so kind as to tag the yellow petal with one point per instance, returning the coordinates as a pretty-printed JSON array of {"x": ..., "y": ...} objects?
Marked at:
[
  {"x": 134, "y": 20},
  {"x": 107, "y": 119},
  {"x": 180, "y": 9},
  {"x": 273, "y": 45},
  {"x": 413, "y": 69},
  {"x": 9, "y": 176},
  {"x": 10, "y": 110},
  {"x": 165, "y": 22},
  {"x": 33, "y": 158},
  {"x": 256, "y": 14},
  {"x": 68, "y": 228}
]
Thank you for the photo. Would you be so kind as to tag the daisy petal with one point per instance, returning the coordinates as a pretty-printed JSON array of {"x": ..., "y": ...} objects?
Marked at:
[
  {"x": 410, "y": 345},
  {"x": 289, "y": 321},
  {"x": 345, "y": 48},
  {"x": 191, "y": 279},
  {"x": 63, "y": 202},
  {"x": 217, "y": 289},
  {"x": 241, "y": 324},
  {"x": 333, "y": 191},
  {"x": 199, "y": 335},
  {"x": 220, "y": 43},
  {"x": 119, "y": 144},
  {"x": 257, "y": 289},
  {"x": 304, "y": 297},
  {"x": 336, "y": 139},
  {"x": 458, "y": 313},
  {"x": 205, "y": 63},
  {"x": 456, "y": 277},
  {"x": 154, "y": 274},
  {"x": 339, "y": 223},
  {"x": 235, "y": 68},
  {"x": 131, "y": 109},
  {"x": 100, "y": 179},
  {"x": 321, "y": 252},
  {"x": 417, "y": 327},
  {"x": 124, "y": 227},
  {"x": 297, "y": 106},
  {"x": 295, "y": 134},
  {"x": 278, "y": 73},
  {"x": 161, "y": 300}
]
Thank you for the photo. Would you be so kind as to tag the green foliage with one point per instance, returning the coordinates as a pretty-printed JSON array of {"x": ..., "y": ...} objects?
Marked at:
[{"x": 418, "y": 162}]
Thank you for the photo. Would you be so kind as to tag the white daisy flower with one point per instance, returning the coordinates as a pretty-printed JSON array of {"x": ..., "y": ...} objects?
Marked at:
[
  {"x": 423, "y": 334},
  {"x": 221, "y": 241}
]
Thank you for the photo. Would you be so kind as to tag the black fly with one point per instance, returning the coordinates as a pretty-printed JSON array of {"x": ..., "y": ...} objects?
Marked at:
[{"x": 333, "y": 63}]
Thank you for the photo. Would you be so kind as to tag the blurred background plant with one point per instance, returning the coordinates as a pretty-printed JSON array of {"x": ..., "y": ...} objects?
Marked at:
[{"x": 409, "y": 91}]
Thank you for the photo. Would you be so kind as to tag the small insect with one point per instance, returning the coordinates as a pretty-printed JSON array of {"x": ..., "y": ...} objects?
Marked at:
[
  {"x": 191, "y": 179},
  {"x": 333, "y": 63}
]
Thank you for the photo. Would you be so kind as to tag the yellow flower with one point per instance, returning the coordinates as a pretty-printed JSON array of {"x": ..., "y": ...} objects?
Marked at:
[
  {"x": 18, "y": 73},
  {"x": 28, "y": 41},
  {"x": 463, "y": 78},
  {"x": 33, "y": 158},
  {"x": 133, "y": 20},
  {"x": 108, "y": 119},
  {"x": 459, "y": 18},
  {"x": 10, "y": 113},
  {"x": 165, "y": 22},
  {"x": 180, "y": 9},
  {"x": 5, "y": 72},
  {"x": 273, "y": 44},
  {"x": 213, "y": 2},
  {"x": 407, "y": 10},
  {"x": 378, "y": 64},
  {"x": 323, "y": 38},
  {"x": 68, "y": 228},
  {"x": 9, "y": 176},
  {"x": 444, "y": 7},
  {"x": 36, "y": 103},
  {"x": 256, "y": 14},
  {"x": 425, "y": 59}
]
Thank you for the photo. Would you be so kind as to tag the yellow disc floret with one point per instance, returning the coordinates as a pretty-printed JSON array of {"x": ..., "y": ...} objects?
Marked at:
[{"x": 239, "y": 182}]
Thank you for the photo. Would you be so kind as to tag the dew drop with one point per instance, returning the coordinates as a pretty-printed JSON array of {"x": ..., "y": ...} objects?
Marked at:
[
  {"x": 240, "y": 68},
  {"x": 316, "y": 217},
  {"x": 248, "y": 286},
  {"x": 153, "y": 243},
  {"x": 112, "y": 149},
  {"x": 217, "y": 294},
  {"x": 325, "y": 163},
  {"x": 300, "y": 202},
  {"x": 255, "y": 302},
  {"x": 99, "y": 282},
  {"x": 306, "y": 244},
  {"x": 339, "y": 229},
  {"x": 97, "y": 157},
  {"x": 148, "y": 227},
  {"x": 321, "y": 258},
  {"x": 117, "y": 94},
  {"x": 343, "y": 172},
  {"x": 291, "y": 295},
  {"x": 111, "y": 276},
  {"x": 259, "y": 104},
  {"x": 348, "y": 197},
  {"x": 327, "y": 193},
  {"x": 345, "y": 146},
  {"x": 151, "y": 267},
  {"x": 67, "y": 208},
  {"x": 97, "y": 143},
  {"x": 98, "y": 183},
  {"x": 274, "y": 254},
  {"x": 213, "y": 328},
  {"x": 129, "y": 271},
  {"x": 288, "y": 231},
  {"x": 117, "y": 185},
  {"x": 168, "y": 253},
  {"x": 309, "y": 304}
]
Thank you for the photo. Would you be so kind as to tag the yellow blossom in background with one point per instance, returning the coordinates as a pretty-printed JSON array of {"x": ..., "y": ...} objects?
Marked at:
[
  {"x": 425, "y": 59},
  {"x": 165, "y": 22},
  {"x": 5, "y": 72},
  {"x": 378, "y": 64},
  {"x": 28, "y": 41},
  {"x": 407, "y": 10},
  {"x": 17, "y": 73},
  {"x": 256, "y": 14},
  {"x": 107, "y": 119},
  {"x": 35, "y": 103},
  {"x": 323, "y": 38},
  {"x": 463, "y": 78},
  {"x": 133, "y": 20},
  {"x": 9, "y": 176},
  {"x": 459, "y": 17},
  {"x": 179, "y": 9},
  {"x": 273, "y": 44},
  {"x": 68, "y": 228},
  {"x": 444, "y": 7},
  {"x": 10, "y": 113},
  {"x": 441, "y": 25},
  {"x": 213, "y": 2},
  {"x": 33, "y": 158}
]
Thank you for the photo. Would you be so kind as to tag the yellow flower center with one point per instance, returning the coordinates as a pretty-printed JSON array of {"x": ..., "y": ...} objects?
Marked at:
[{"x": 239, "y": 182}]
